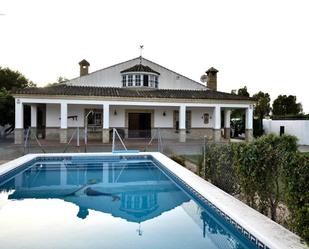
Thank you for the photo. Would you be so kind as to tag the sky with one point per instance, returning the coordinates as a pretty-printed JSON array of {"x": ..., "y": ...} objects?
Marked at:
[{"x": 262, "y": 44}]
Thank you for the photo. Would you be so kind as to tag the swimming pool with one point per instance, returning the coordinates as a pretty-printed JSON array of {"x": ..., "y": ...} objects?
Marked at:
[{"x": 122, "y": 201}]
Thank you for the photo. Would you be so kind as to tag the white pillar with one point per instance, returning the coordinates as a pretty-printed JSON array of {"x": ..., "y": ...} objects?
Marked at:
[
  {"x": 249, "y": 118},
  {"x": 63, "y": 122},
  {"x": 249, "y": 123},
  {"x": 105, "y": 130},
  {"x": 19, "y": 114},
  {"x": 34, "y": 116},
  {"x": 217, "y": 124},
  {"x": 217, "y": 118},
  {"x": 227, "y": 118},
  {"x": 64, "y": 116},
  {"x": 227, "y": 124},
  {"x": 106, "y": 116},
  {"x": 182, "y": 123},
  {"x": 19, "y": 122}
]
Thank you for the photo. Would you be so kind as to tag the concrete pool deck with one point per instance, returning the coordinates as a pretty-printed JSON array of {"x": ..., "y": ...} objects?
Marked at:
[{"x": 10, "y": 151}]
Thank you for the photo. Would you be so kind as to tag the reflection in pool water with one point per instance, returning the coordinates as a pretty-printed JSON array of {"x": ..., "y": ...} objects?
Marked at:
[{"x": 124, "y": 204}]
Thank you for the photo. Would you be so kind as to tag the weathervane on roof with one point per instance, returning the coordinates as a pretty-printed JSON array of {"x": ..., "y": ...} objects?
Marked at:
[{"x": 141, "y": 47}]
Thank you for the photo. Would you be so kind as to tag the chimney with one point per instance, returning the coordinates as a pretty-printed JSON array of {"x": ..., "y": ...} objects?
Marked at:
[
  {"x": 212, "y": 78},
  {"x": 84, "y": 65}
]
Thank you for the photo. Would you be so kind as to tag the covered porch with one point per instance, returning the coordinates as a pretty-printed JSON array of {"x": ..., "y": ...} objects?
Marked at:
[{"x": 56, "y": 119}]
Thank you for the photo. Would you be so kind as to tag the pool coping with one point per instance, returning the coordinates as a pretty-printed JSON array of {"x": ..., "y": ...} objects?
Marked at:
[{"x": 271, "y": 234}]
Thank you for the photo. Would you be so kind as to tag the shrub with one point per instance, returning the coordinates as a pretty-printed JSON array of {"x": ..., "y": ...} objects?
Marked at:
[
  {"x": 218, "y": 168},
  {"x": 297, "y": 193},
  {"x": 266, "y": 171},
  {"x": 178, "y": 159},
  {"x": 259, "y": 169}
]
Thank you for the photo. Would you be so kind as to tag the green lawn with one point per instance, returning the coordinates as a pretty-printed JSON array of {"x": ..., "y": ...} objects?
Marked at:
[{"x": 306, "y": 153}]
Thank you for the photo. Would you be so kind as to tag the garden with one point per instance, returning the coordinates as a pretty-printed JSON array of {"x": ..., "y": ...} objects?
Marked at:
[{"x": 269, "y": 174}]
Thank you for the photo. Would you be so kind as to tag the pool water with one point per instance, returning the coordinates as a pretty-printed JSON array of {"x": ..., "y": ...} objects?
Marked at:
[{"x": 106, "y": 202}]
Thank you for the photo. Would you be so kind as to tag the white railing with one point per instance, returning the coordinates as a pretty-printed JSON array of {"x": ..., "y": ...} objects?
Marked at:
[
  {"x": 115, "y": 133},
  {"x": 159, "y": 139}
]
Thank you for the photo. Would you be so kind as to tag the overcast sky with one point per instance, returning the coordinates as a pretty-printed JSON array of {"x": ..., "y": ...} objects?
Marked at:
[{"x": 262, "y": 44}]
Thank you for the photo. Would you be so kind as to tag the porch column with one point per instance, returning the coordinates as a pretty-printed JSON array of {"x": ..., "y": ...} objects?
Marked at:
[
  {"x": 64, "y": 123},
  {"x": 19, "y": 122},
  {"x": 105, "y": 130},
  {"x": 33, "y": 118},
  {"x": 249, "y": 124},
  {"x": 217, "y": 124},
  {"x": 182, "y": 123},
  {"x": 227, "y": 124}
]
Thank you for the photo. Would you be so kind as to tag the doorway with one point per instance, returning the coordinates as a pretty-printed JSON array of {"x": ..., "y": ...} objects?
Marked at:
[
  {"x": 41, "y": 121},
  {"x": 139, "y": 125}
]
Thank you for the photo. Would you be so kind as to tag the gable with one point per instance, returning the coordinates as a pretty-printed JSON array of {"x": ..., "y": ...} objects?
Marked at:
[{"x": 111, "y": 76}]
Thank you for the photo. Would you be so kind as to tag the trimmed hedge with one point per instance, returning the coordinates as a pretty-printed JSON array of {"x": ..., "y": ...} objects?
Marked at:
[{"x": 265, "y": 172}]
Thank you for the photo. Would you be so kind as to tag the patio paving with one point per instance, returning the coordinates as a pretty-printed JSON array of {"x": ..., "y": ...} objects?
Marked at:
[{"x": 10, "y": 151}]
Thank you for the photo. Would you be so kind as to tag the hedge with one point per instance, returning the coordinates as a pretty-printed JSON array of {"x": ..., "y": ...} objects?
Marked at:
[{"x": 265, "y": 172}]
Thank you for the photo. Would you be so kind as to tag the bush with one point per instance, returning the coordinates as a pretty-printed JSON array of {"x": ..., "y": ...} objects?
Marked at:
[
  {"x": 178, "y": 159},
  {"x": 257, "y": 128},
  {"x": 267, "y": 171},
  {"x": 218, "y": 168},
  {"x": 259, "y": 169},
  {"x": 297, "y": 193}
]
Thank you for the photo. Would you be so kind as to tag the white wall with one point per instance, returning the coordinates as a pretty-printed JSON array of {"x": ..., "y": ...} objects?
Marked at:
[
  {"x": 53, "y": 114},
  {"x": 111, "y": 77},
  {"x": 167, "y": 121},
  {"x": 116, "y": 120},
  {"x": 161, "y": 121},
  {"x": 197, "y": 117},
  {"x": 298, "y": 128}
]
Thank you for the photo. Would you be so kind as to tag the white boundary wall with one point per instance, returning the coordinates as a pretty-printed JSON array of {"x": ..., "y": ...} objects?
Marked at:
[{"x": 298, "y": 128}]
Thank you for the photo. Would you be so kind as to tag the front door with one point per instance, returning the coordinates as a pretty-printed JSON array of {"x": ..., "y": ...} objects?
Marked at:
[{"x": 139, "y": 125}]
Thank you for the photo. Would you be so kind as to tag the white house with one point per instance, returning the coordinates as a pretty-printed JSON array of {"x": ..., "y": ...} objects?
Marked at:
[{"x": 136, "y": 97}]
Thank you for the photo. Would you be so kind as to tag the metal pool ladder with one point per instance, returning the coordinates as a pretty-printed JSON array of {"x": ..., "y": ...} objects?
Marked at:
[{"x": 115, "y": 133}]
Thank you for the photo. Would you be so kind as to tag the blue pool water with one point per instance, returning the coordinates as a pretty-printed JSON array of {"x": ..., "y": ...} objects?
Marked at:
[{"x": 107, "y": 202}]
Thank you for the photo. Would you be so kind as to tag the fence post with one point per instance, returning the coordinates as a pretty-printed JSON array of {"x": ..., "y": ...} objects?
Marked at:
[{"x": 204, "y": 156}]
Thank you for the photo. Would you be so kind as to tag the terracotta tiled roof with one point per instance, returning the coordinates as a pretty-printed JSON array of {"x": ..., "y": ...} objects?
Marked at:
[
  {"x": 133, "y": 92},
  {"x": 139, "y": 68}
]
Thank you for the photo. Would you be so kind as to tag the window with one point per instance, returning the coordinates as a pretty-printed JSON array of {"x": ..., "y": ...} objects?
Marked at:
[
  {"x": 95, "y": 119},
  {"x": 137, "y": 80},
  {"x": 152, "y": 80},
  {"x": 130, "y": 80},
  {"x": 145, "y": 79},
  {"x": 124, "y": 80},
  {"x": 188, "y": 121},
  {"x": 140, "y": 79},
  {"x": 206, "y": 118},
  {"x": 156, "y": 82}
]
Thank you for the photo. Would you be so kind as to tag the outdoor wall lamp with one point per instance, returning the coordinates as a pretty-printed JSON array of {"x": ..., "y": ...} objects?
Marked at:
[
  {"x": 164, "y": 113},
  {"x": 115, "y": 112}
]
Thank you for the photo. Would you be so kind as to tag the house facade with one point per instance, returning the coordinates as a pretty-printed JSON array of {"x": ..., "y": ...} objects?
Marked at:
[{"x": 137, "y": 97}]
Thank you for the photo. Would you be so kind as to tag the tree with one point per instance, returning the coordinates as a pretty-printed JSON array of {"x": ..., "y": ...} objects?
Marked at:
[
  {"x": 60, "y": 80},
  {"x": 286, "y": 105},
  {"x": 262, "y": 108},
  {"x": 243, "y": 92},
  {"x": 9, "y": 81},
  {"x": 239, "y": 114}
]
